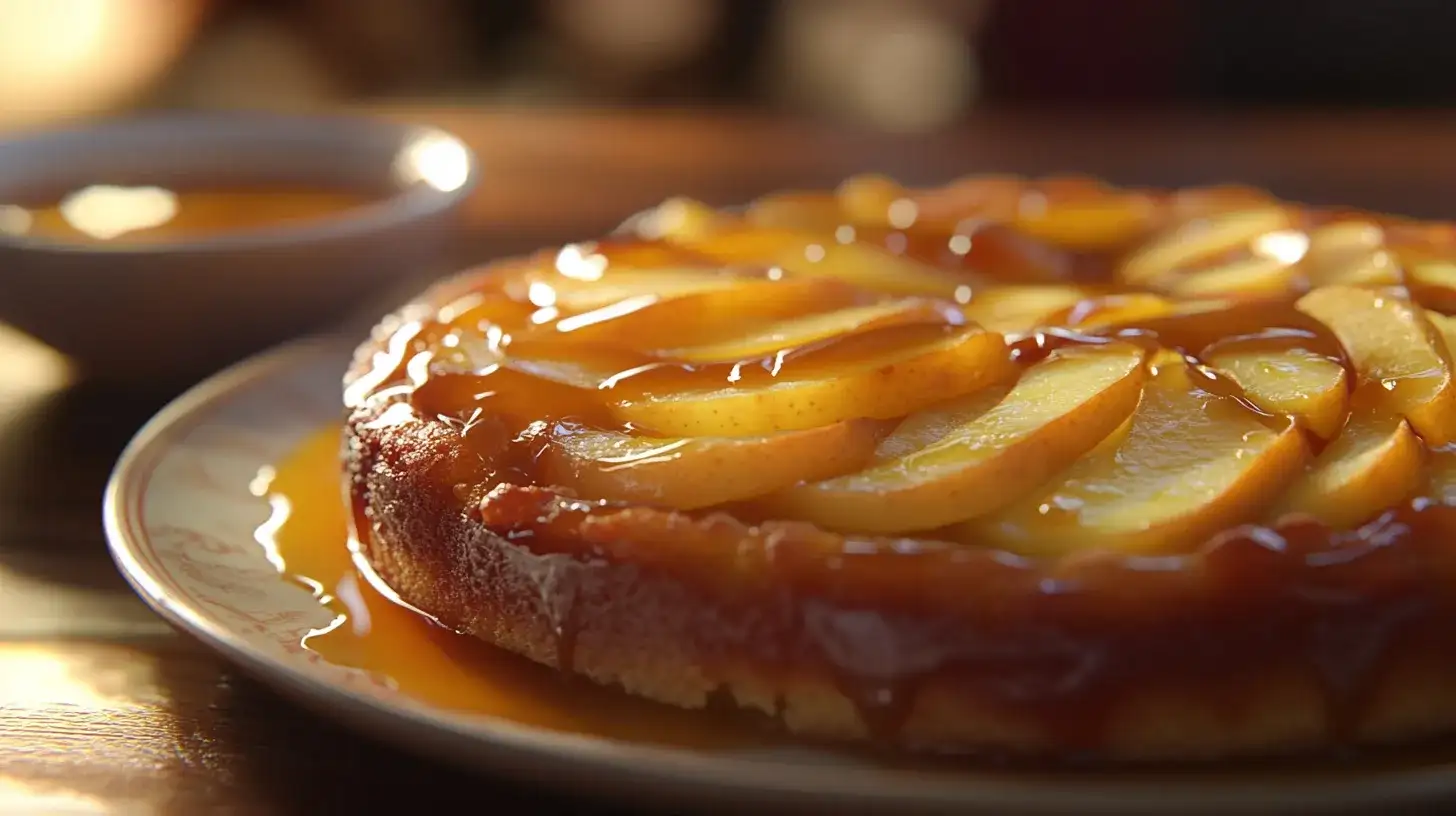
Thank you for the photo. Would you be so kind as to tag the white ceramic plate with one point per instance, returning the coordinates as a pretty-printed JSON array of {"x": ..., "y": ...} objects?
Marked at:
[{"x": 180, "y": 519}]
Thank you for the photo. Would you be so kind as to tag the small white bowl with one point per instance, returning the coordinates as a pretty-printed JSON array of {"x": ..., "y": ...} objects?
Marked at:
[{"x": 131, "y": 311}]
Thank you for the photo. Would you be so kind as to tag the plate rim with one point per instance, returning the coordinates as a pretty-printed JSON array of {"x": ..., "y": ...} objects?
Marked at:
[{"x": 620, "y": 768}]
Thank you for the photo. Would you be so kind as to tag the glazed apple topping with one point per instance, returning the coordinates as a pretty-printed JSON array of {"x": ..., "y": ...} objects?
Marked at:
[{"x": 1045, "y": 367}]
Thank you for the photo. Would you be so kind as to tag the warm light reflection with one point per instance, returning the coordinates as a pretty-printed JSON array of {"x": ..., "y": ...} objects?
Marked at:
[
  {"x": 1285, "y": 246},
  {"x": 30, "y": 367},
  {"x": 262, "y": 482},
  {"x": 434, "y": 158},
  {"x": 279, "y": 510},
  {"x": 541, "y": 294},
  {"x": 606, "y": 313},
  {"x": 580, "y": 263},
  {"x": 676, "y": 216},
  {"x": 18, "y": 796},
  {"x": 15, "y": 220},
  {"x": 902, "y": 213},
  {"x": 60, "y": 58},
  {"x": 37, "y": 608},
  {"x": 104, "y": 211},
  {"x": 34, "y": 677}
]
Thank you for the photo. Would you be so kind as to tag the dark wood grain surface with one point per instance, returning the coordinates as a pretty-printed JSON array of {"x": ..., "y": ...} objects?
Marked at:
[{"x": 104, "y": 709}]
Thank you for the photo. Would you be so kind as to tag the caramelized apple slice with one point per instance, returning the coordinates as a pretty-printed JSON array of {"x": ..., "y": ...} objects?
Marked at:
[
  {"x": 1350, "y": 252},
  {"x": 1118, "y": 310},
  {"x": 866, "y": 199},
  {"x": 1445, "y": 326},
  {"x": 1083, "y": 216},
  {"x": 592, "y": 260},
  {"x": 1252, "y": 277},
  {"x": 1078, "y": 214},
  {"x": 687, "y": 473},
  {"x": 653, "y": 321},
  {"x": 930, "y": 425},
  {"x": 980, "y": 198},
  {"x": 1021, "y": 308},
  {"x": 811, "y": 211},
  {"x": 1202, "y": 240},
  {"x": 573, "y": 296},
  {"x": 1373, "y": 464},
  {"x": 680, "y": 221},
  {"x": 1440, "y": 485},
  {"x": 1059, "y": 410},
  {"x": 1201, "y": 202},
  {"x": 886, "y": 386},
  {"x": 878, "y": 201},
  {"x": 1433, "y": 283},
  {"x": 809, "y": 329},
  {"x": 1441, "y": 468},
  {"x": 1197, "y": 326},
  {"x": 809, "y": 253},
  {"x": 1188, "y": 325},
  {"x": 1293, "y": 381},
  {"x": 1390, "y": 342},
  {"x": 813, "y": 254},
  {"x": 1191, "y": 463},
  {"x": 1435, "y": 273}
]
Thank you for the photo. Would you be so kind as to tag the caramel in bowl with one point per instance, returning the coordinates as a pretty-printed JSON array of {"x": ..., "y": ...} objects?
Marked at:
[{"x": 165, "y": 247}]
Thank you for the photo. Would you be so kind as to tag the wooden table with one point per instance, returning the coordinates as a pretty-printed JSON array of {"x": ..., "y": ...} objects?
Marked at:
[{"x": 103, "y": 708}]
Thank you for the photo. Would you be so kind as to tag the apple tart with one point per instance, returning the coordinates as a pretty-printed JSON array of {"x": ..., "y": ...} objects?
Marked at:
[{"x": 1040, "y": 467}]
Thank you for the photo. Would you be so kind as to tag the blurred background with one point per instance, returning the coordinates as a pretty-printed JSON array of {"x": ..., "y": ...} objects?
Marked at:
[
  {"x": 885, "y": 65},
  {"x": 708, "y": 92},
  {"x": 584, "y": 111}
]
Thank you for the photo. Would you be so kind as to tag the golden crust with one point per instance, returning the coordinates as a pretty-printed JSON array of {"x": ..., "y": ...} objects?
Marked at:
[{"x": 1265, "y": 640}]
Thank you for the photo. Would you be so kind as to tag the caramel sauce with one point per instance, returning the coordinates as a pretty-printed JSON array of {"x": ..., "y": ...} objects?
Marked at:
[
  {"x": 148, "y": 215},
  {"x": 431, "y": 664}
]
